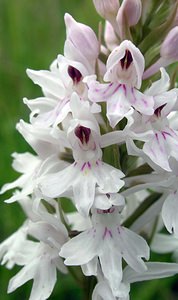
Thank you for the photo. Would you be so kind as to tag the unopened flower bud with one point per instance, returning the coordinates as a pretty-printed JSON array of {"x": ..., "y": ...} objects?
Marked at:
[
  {"x": 107, "y": 9},
  {"x": 169, "y": 47},
  {"x": 168, "y": 53},
  {"x": 128, "y": 14},
  {"x": 81, "y": 43},
  {"x": 110, "y": 37}
]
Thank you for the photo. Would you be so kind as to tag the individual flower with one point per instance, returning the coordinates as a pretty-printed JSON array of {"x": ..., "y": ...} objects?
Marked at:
[
  {"x": 65, "y": 76},
  {"x": 160, "y": 140},
  {"x": 125, "y": 67},
  {"x": 154, "y": 270},
  {"x": 41, "y": 266},
  {"x": 40, "y": 259},
  {"x": 31, "y": 166},
  {"x": 88, "y": 168},
  {"x": 109, "y": 242}
]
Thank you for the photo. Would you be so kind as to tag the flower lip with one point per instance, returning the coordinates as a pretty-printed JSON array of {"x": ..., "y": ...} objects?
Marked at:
[
  {"x": 126, "y": 60},
  {"x": 75, "y": 74},
  {"x": 83, "y": 133}
]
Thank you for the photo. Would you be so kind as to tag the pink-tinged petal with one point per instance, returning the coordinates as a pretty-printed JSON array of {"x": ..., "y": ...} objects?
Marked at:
[
  {"x": 134, "y": 248},
  {"x": 171, "y": 137},
  {"x": 169, "y": 48},
  {"x": 110, "y": 37},
  {"x": 135, "y": 70},
  {"x": 170, "y": 213},
  {"x": 100, "y": 92},
  {"x": 115, "y": 95},
  {"x": 170, "y": 99},
  {"x": 132, "y": 9},
  {"x": 79, "y": 34},
  {"x": 158, "y": 151},
  {"x": 48, "y": 112},
  {"x": 128, "y": 15},
  {"x": 49, "y": 82},
  {"x": 118, "y": 106},
  {"x": 56, "y": 116},
  {"x": 107, "y": 9},
  {"x": 140, "y": 102},
  {"x": 111, "y": 264},
  {"x": 81, "y": 249}
]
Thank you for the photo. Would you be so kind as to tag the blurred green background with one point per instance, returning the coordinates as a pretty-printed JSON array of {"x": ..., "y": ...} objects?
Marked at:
[{"x": 32, "y": 33}]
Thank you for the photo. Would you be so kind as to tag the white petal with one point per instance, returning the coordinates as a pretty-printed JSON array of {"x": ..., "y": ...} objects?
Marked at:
[
  {"x": 81, "y": 249},
  {"x": 140, "y": 102},
  {"x": 134, "y": 248},
  {"x": 158, "y": 151},
  {"x": 118, "y": 106},
  {"x": 53, "y": 185},
  {"x": 49, "y": 82},
  {"x": 164, "y": 243},
  {"x": 44, "y": 280},
  {"x": 90, "y": 268},
  {"x": 170, "y": 213},
  {"x": 154, "y": 270},
  {"x": 84, "y": 192},
  {"x": 160, "y": 86},
  {"x": 108, "y": 178},
  {"x": 24, "y": 275},
  {"x": 111, "y": 264}
]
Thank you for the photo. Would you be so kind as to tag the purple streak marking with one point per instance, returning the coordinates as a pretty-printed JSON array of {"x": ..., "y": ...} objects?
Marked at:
[
  {"x": 107, "y": 231},
  {"x": 83, "y": 166}
]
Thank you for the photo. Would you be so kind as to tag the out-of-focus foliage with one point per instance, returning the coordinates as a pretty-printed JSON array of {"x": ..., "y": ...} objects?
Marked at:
[{"x": 32, "y": 33}]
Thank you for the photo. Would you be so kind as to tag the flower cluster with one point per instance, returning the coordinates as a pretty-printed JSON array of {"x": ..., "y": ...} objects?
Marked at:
[{"x": 106, "y": 140}]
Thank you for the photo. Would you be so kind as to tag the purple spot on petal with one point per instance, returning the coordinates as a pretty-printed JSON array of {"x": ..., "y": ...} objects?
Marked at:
[
  {"x": 126, "y": 60},
  {"x": 74, "y": 74},
  {"x": 83, "y": 133}
]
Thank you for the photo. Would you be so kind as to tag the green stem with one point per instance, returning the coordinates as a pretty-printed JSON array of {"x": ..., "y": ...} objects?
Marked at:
[
  {"x": 141, "y": 209},
  {"x": 90, "y": 283},
  {"x": 153, "y": 231},
  {"x": 76, "y": 277}
]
